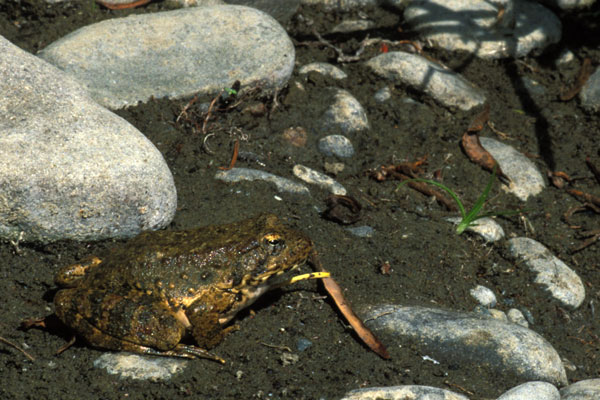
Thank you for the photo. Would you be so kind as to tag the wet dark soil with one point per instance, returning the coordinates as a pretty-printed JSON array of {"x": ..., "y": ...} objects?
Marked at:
[{"x": 430, "y": 264}]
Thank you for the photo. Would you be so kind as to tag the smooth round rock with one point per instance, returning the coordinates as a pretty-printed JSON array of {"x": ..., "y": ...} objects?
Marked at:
[
  {"x": 336, "y": 145},
  {"x": 484, "y": 296},
  {"x": 443, "y": 85},
  {"x": 174, "y": 54},
  {"x": 470, "y": 339},
  {"x": 325, "y": 69},
  {"x": 70, "y": 168},
  {"x": 561, "y": 281},
  {"x": 404, "y": 392},
  {"x": 526, "y": 179},
  {"x": 588, "y": 389},
  {"x": 345, "y": 115},
  {"x": 473, "y": 26},
  {"x": 532, "y": 391}
]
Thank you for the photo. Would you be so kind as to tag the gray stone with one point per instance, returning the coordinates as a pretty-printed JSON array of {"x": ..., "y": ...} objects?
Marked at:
[
  {"x": 71, "y": 169},
  {"x": 470, "y": 339},
  {"x": 383, "y": 94},
  {"x": 445, "y": 86},
  {"x": 336, "y": 145},
  {"x": 174, "y": 54},
  {"x": 487, "y": 228},
  {"x": 363, "y": 231},
  {"x": 345, "y": 115},
  {"x": 532, "y": 391},
  {"x": 473, "y": 26},
  {"x": 404, "y": 392},
  {"x": 590, "y": 93},
  {"x": 309, "y": 175},
  {"x": 525, "y": 178},
  {"x": 134, "y": 366},
  {"x": 248, "y": 174},
  {"x": 515, "y": 316},
  {"x": 349, "y": 26},
  {"x": 484, "y": 296},
  {"x": 588, "y": 389},
  {"x": 325, "y": 69},
  {"x": 561, "y": 281},
  {"x": 569, "y": 4}
]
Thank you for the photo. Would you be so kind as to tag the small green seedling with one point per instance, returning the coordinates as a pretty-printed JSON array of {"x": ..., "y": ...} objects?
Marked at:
[
  {"x": 468, "y": 219},
  {"x": 230, "y": 91}
]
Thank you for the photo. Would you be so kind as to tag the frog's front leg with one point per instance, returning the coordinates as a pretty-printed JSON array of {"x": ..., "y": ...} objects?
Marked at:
[
  {"x": 206, "y": 316},
  {"x": 130, "y": 321}
]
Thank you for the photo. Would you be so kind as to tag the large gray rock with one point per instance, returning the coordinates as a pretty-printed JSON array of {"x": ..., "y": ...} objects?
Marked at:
[
  {"x": 588, "y": 389},
  {"x": 404, "y": 392},
  {"x": 70, "y": 168},
  {"x": 175, "y": 53},
  {"x": 471, "y": 339}
]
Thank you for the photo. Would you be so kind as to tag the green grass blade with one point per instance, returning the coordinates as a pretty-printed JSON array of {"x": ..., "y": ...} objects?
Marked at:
[
  {"x": 443, "y": 187},
  {"x": 477, "y": 207}
]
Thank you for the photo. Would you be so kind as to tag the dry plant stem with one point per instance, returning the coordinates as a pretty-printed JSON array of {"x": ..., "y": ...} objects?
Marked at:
[
  {"x": 590, "y": 198},
  {"x": 236, "y": 149},
  {"x": 592, "y": 237},
  {"x": 209, "y": 112},
  {"x": 593, "y": 168},
  {"x": 8, "y": 342},
  {"x": 335, "y": 291}
]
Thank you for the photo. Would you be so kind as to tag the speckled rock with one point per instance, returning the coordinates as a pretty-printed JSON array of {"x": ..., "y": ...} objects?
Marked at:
[
  {"x": 173, "y": 54},
  {"x": 353, "y": 26},
  {"x": 560, "y": 280},
  {"x": 588, "y": 389},
  {"x": 532, "y": 391},
  {"x": 134, "y": 366},
  {"x": 345, "y": 115},
  {"x": 309, "y": 175},
  {"x": 443, "y": 85},
  {"x": 450, "y": 24},
  {"x": 408, "y": 392},
  {"x": 515, "y": 316},
  {"x": 487, "y": 228},
  {"x": 484, "y": 296},
  {"x": 526, "y": 180},
  {"x": 325, "y": 69},
  {"x": 70, "y": 168},
  {"x": 342, "y": 5},
  {"x": 336, "y": 145},
  {"x": 590, "y": 93},
  {"x": 248, "y": 174},
  {"x": 470, "y": 339}
]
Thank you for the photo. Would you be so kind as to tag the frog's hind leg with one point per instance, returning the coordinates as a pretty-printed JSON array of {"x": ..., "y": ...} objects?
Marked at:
[{"x": 131, "y": 321}]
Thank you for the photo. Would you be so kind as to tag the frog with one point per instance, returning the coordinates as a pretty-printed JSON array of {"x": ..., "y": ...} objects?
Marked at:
[{"x": 163, "y": 287}]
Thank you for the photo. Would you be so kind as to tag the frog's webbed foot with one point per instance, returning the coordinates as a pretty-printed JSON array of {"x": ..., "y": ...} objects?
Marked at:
[{"x": 181, "y": 350}]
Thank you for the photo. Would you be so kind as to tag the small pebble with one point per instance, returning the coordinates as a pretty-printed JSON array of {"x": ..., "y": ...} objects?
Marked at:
[
  {"x": 486, "y": 227},
  {"x": 324, "y": 69},
  {"x": 345, "y": 115},
  {"x": 532, "y": 391},
  {"x": 484, "y": 296},
  {"x": 134, "y": 366},
  {"x": 303, "y": 344},
  {"x": 362, "y": 231},
  {"x": 309, "y": 175},
  {"x": 517, "y": 317},
  {"x": 248, "y": 174},
  {"x": 336, "y": 145},
  {"x": 404, "y": 392}
]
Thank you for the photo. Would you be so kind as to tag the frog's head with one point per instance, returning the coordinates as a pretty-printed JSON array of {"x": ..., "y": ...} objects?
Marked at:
[{"x": 264, "y": 261}]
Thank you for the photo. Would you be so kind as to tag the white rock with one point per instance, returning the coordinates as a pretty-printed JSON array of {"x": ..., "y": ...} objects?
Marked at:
[
  {"x": 561, "y": 281},
  {"x": 473, "y": 26},
  {"x": 173, "y": 54},
  {"x": 70, "y": 168},
  {"x": 487, "y": 228},
  {"x": 445, "y": 86},
  {"x": 353, "y": 26},
  {"x": 345, "y": 115},
  {"x": 516, "y": 317},
  {"x": 383, "y": 94},
  {"x": 248, "y": 174},
  {"x": 470, "y": 339},
  {"x": 309, "y": 175},
  {"x": 525, "y": 178},
  {"x": 532, "y": 391},
  {"x": 336, "y": 145},
  {"x": 325, "y": 69},
  {"x": 588, "y": 389},
  {"x": 134, "y": 366},
  {"x": 590, "y": 93},
  {"x": 484, "y": 296},
  {"x": 408, "y": 392}
]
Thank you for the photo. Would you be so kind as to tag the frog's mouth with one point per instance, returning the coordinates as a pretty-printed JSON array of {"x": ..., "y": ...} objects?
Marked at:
[{"x": 252, "y": 287}]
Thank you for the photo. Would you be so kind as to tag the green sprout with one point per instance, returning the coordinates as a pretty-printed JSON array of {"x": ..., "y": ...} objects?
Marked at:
[
  {"x": 230, "y": 91},
  {"x": 469, "y": 218}
]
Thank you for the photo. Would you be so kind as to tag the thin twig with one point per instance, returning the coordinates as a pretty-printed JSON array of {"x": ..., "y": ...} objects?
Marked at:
[{"x": 8, "y": 342}]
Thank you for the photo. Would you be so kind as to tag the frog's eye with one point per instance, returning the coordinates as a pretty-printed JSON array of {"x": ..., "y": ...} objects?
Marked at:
[{"x": 274, "y": 244}]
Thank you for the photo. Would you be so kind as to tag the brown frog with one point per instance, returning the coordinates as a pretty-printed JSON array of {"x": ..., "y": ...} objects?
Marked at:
[{"x": 162, "y": 286}]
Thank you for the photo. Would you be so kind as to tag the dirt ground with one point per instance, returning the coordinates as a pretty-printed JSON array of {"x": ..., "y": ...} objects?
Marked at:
[{"x": 430, "y": 264}]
